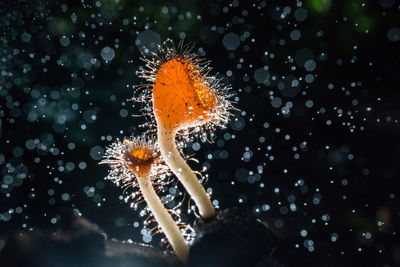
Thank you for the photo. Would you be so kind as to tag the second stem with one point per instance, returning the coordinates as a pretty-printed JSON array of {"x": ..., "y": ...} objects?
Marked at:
[
  {"x": 164, "y": 219},
  {"x": 181, "y": 169}
]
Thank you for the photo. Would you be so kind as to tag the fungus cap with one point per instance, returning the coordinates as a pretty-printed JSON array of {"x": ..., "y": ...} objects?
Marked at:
[
  {"x": 139, "y": 157},
  {"x": 182, "y": 93},
  {"x": 182, "y": 98},
  {"x": 136, "y": 156}
]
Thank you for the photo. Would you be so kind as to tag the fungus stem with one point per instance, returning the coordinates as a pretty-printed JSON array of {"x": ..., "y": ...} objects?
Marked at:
[
  {"x": 186, "y": 176},
  {"x": 163, "y": 218}
]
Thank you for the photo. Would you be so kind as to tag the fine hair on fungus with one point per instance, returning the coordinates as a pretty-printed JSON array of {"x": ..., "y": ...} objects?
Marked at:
[
  {"x": 185, "y": 99},
  {"x": 137, "y": 163}
]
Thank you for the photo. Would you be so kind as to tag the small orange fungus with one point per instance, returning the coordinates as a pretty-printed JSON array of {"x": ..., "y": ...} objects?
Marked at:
[
  {"x": 136, "y": 162},
  {"x": 139, "y": 159},
  {"x": 134, "y": 157}
]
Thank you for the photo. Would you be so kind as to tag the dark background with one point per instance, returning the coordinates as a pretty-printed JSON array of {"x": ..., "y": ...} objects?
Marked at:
[{"x": 313, "y": 152}]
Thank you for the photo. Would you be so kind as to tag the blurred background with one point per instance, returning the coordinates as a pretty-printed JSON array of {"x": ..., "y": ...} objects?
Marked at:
[{"x": 312, "y": 151}]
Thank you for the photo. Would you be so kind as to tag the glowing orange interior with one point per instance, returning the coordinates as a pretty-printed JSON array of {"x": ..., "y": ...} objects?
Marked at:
[
  {"x": 139, "y": 160},
  {"x": 180, "y": 98}
]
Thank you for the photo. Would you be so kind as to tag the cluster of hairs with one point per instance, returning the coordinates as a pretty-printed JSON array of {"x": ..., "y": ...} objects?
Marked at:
[{"x": 138, "y": 160}]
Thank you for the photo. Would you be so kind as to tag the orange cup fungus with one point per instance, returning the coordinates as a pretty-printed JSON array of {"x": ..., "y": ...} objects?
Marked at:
[
  {"x": 184, "y": 99},
  {"x": 184, "y": 95}
]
